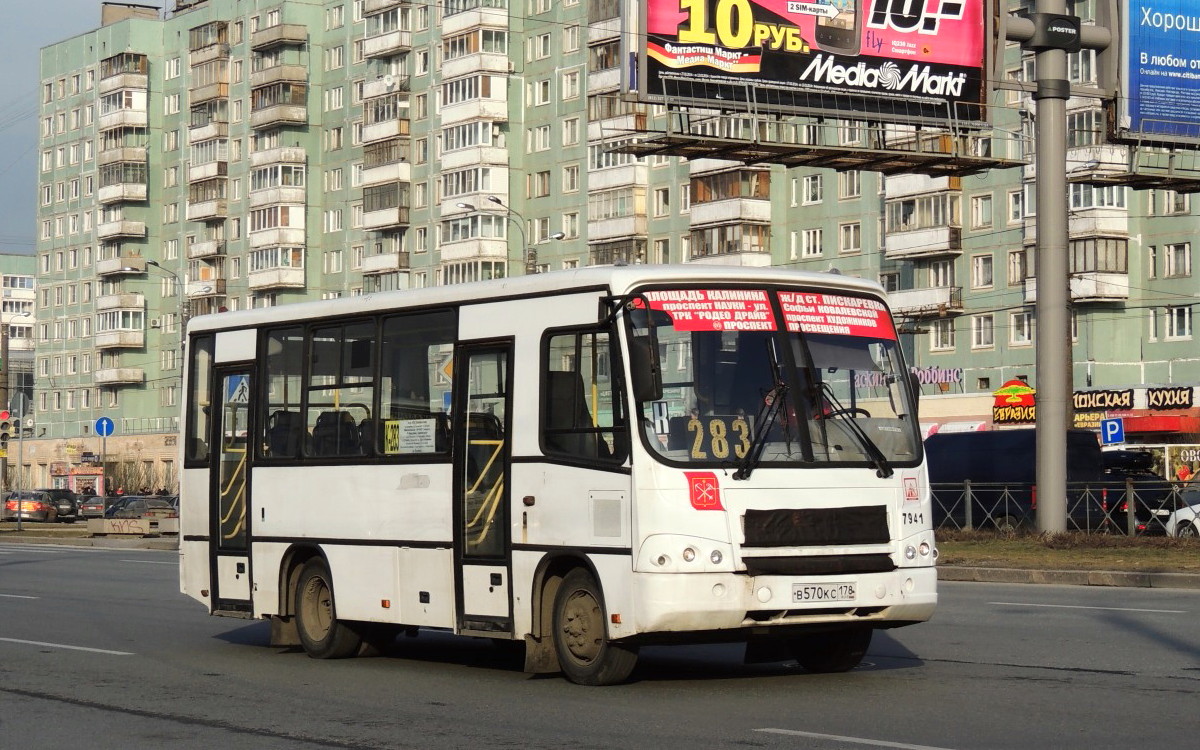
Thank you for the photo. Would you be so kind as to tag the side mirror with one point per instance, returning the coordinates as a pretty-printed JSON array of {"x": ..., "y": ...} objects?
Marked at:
[
  {"x": 914, "y": 385},
  {"x": 645, "y": 370}
]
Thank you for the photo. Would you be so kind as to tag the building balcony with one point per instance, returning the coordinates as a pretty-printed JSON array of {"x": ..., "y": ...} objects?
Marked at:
[
  {"x": 121, "y": 192},
  {"x": 120, "y": 81},
  {"x": 205, "y": 288},
  {"x": 387, "y": 45},
  {"x": 206, "y": 249},
  {"x": 277, "y": 278},
  {"x": 208, "y": 92},
  {"x": 125, "y": 301},
  {"x": 119, "y": 376},
  {"x": 924, "y": 243},
  {"x": 208, "y": 53},
  {"x": 279, "y": 236},
  {"x": 733, "y": 210},
  {"x": 932, "y": 301},
  {"x": 1086, "y": 163},
  {"x": 613, "y": 127},
  {"x": 381, "y": 131},
  {"x": 628, "y": 175},
  {"x": 1088, "y": 286},
  {"x": 271, "y": 196},
  {"x": 278, "y": 35},
  {"x": 493, "y": 109},
  {"x": 479, "y": 62},
  {"x": 121, "y": 228},
  {"x": 123, "y": 118},
  {"x": 277, "y": 74},
  {"x": 747, "y": 260},
  {"x": 121, "y": 264},
  {"x": 279, "y": 114},
  {"x": 385, "y": 85},
  {"x": 207, "y": 210},
  {"x": 120, "y": 339},
  {"x": 208, "y": 171},
  {"x": 917, "y": 184},
  {"x": 476, "y": 249},
  {"x": 371, "y": 7},
  {"x": 398, "y": 171},
  {"x": 284, "y": 155},
  {"x": 608, "y": 28},
  {"x": 387, "y": 218},
  {"x": 479, "y": 155},
  {"x": 493, "y": 18},
  {"x": 1091, "y": 222},
  {"x": 384, "y": 262},
  {"x": 124, "y": 153},
  {"x": 603, "y": 80},
  {"x": 621, "y": 227},
  {"x": 213, "y": 129}
]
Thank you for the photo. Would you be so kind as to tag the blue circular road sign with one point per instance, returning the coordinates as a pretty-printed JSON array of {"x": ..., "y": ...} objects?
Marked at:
[{"x": 104, "y": 427}]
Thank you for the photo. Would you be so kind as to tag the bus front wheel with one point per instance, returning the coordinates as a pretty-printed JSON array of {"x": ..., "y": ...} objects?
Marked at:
[
  {"x": 321, "y": 633},
  {"x": 832, "y": 651},
  {"x": 585, "y": 654}
]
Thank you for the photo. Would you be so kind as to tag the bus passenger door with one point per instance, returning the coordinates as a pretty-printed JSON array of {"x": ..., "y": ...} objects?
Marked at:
[
  {"x": 482, "y": 450},
  {"x": 229, "y": 493}
]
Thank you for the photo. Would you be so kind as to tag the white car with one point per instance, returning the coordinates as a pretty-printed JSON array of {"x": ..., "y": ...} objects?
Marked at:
[{"x": 1185, "y": 521}]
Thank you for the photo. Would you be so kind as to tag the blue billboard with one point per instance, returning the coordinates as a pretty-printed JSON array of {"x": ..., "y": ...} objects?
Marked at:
[{"x": 1160, "y": 70}]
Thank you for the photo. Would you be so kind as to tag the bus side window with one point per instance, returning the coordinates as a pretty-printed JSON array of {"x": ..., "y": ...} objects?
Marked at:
[{"x": 582, "y": 411}]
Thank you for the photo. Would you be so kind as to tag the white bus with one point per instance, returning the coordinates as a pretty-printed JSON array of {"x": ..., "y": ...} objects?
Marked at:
[{"x": 581, "y": 461}]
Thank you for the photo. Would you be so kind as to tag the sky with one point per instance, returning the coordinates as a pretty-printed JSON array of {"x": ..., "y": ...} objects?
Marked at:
[{"x": 28, "y": 26}]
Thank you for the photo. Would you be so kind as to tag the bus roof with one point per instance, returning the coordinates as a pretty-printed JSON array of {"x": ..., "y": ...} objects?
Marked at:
[{"x": 617, "y": 279}]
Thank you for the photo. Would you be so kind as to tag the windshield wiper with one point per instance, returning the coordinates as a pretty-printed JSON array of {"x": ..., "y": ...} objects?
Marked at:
[
  {"x": 767, "y": 414},
  {"x": 883, "y": 469}
]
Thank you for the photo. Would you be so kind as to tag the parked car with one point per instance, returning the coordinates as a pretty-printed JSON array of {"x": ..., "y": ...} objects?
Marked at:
[
  {"x": 92, "y": 506},
  {"x": 136, "y": 506},
  {"x": 66, "y": 501},
  {"x": 1185, "y": 521},
  {"x": 30, "y": 505}
]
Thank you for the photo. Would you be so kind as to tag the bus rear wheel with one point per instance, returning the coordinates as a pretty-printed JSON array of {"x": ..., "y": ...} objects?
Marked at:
[
  {"x": 832, "y": 651},
  {"x": 585, "y": 654},
  {"x": 321, "y": 633}
]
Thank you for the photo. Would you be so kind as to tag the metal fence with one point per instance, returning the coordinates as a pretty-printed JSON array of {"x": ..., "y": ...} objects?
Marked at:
[{"x": 1109, "y": 507}]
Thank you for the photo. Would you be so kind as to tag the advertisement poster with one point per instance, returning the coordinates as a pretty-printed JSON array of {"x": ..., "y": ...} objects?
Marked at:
[
  {"x": 1162, "y": 68},
  {"x": 902, "y": 59}
]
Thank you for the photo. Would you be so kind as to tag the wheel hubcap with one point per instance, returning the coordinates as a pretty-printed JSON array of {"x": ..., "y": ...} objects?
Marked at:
[
  {"x": 318, "y": 608},
  {"x": 582, "y": 627}
]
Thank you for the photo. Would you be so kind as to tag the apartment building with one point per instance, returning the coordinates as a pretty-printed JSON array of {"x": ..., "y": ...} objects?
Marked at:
[{"x": 226, "y": 154}]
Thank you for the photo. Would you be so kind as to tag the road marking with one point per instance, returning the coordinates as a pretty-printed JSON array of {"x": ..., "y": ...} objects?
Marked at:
[
  {"x": 66, "y": 646},
  {"x": 18, "y": 596},
  {"x": 850, "y": 740},
  {"x": 153, "y": 562},
  {"x": 1108, "y": 609}
]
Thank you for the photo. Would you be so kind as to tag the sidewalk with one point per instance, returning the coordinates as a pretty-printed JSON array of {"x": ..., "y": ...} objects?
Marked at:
[{"x": 79, "y": 538}]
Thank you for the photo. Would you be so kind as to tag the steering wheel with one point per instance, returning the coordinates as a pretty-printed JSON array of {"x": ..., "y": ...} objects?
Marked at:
[{"x": 839, "y": 412}]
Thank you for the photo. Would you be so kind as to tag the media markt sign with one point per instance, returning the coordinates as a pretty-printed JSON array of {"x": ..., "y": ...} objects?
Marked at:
[{"x": 1014, "y": 403}]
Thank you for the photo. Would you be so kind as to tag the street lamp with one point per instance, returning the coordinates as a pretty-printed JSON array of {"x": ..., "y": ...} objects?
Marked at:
[
  {"x": 185, "y": 306},
  {"x": 531, "y": 252}
]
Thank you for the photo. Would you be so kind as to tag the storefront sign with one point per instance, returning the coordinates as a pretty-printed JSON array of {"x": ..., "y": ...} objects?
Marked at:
[
  {"x": 1179, "y": 397},
  {"x": 1098, "y": 400},
  {"x": 1014, "y": 403}
]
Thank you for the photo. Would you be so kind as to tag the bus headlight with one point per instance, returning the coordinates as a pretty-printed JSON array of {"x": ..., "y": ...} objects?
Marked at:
[
  {"x": 716, "y": 557},
  {"x": 925, "y": 549},
  {"x": 689, "y": 554},
  {"x": 910, "y": 552}
]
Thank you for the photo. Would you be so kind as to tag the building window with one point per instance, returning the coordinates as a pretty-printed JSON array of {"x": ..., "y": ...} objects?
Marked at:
[
  {"x": 1016, "y": 206},
  {"x": 1018, "y": 267},
  {"x": 1178, "y": 259},
  {"x": 1021, "y": 329},
  {"x": 1179, "y": 322},
  {"x": 981, "y": 211},
  {"x": 662, "y": 201},
  {"x": 850, "y": 238},
  {"x": 941, "y": 335},
  {"x": 811, "y": 241},
  {"x": 850, "y": 184},
  {"x": 983, "y": 332},
  {"x": 981, "y": 271},
  {"x": 814, "y": 190}
]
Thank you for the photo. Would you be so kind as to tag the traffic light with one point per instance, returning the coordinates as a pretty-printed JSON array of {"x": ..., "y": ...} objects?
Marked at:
[{"x": 6, "y": 428}]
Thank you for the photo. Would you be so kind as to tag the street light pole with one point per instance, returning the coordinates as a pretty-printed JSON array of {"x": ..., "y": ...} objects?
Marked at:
[{"x": 185, "y": 305}]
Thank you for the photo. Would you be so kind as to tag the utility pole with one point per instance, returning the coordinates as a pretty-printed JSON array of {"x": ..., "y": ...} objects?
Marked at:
[{"x": 1051, "y": 33}]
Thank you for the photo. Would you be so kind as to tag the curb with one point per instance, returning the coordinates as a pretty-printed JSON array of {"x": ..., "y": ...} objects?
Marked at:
[
  {"x": 137, "y": 542},
  {"x": 1072, "y": 577}
]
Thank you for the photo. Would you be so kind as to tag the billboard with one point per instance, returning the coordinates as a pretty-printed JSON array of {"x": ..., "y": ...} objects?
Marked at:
[
  {"x": 902, "y": 60},
  {"x": 1160, "y": 70}
]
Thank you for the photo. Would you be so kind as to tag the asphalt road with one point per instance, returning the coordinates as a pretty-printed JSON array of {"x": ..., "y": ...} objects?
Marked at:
[{"x": 99, "y": 650}]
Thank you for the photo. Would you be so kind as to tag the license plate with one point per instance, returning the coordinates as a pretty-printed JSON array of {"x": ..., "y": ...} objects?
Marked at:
[{"x": 809, "y": 593}]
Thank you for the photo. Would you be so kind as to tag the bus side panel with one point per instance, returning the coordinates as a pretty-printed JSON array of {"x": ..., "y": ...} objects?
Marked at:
[
  {"x": 193, "y": 525},
  {"x": 194, "y": 571}
]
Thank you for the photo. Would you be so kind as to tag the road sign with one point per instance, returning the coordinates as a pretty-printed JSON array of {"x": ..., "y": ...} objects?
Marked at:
[
  {"x": 1112, "y": 431},
  {"x": 104, "y": 427},
  {"x": 237, "y": 389}
]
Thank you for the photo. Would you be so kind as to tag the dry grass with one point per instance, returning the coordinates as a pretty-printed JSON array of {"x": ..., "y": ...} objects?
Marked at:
[{"x": 1069, "y": 551}]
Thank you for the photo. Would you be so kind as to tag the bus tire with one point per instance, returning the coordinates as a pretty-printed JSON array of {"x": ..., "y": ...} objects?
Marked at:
[
  {"x": 832, "y": 651},
  {"x": 585, "y": 654},
  {"x": 322, "y": 635}
]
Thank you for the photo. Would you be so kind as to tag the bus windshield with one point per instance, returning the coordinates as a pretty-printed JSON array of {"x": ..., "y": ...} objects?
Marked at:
[{"x": 761, "y": 377}]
